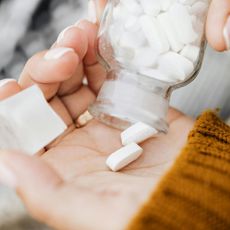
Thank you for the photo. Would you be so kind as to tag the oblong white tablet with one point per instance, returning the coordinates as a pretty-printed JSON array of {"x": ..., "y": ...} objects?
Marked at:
[
  {"x": 191, "y": 52},
  {"x": 175, "y": 65},
  {"x": 137, "y": 133},
  {"x": 154, "y": 34},
  {"x": 170, "y": 32},
  {"x": 124, "y": 157}
]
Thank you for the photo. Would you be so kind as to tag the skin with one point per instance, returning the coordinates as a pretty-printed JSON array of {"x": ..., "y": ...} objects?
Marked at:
[{"x": 67, "y": 185}]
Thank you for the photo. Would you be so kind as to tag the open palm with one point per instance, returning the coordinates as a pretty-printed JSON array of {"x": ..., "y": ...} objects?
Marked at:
[{"x": 69, "y": 186}]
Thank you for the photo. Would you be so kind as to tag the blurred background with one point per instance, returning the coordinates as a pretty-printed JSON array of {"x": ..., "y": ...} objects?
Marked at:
[{"x": 29, "y": 26}]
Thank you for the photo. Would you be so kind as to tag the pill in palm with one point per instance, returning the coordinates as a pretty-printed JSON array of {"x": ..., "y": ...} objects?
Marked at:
[
  {"x": 124, "y": 156},
  {"x": 137, "y": 133}
]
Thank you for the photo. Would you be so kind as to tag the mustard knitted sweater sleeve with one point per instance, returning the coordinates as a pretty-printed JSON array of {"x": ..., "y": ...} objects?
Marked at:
[{"x": 195, "y": 194}]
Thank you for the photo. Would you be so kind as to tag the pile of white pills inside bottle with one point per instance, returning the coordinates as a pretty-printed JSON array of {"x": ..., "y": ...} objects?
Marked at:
[{"x": 158, "y": 38}]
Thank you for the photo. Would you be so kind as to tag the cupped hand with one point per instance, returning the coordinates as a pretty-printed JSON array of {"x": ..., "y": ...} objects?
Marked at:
[{"x": 68, "y": 185}]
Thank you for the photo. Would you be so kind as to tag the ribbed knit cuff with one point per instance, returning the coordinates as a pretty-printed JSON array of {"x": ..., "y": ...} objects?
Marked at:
[{"x": 195, "y": 194}]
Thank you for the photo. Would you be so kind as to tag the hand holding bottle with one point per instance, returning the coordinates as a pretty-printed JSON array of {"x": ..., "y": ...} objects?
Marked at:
[{"x": 69, "y": 187}]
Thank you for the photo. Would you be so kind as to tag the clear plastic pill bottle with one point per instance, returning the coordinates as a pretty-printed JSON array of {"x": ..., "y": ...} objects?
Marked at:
[{"x": 149, "y": 48}]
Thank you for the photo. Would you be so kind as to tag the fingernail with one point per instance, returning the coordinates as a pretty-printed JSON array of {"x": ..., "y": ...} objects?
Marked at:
[
  {"x": 92, "y": 12},
  {"x": 62, "y": 34},
  {"x": 57, "y": 53},
  {"x": 227, "y": 33},
  {"x": 7, "y": 178},
  {"x": 5, "y": 81}
]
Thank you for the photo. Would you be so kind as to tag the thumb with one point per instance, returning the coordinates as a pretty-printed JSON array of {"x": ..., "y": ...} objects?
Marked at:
[
  {"x": 35, "y": 182},
  {"x": 218, "y": 25}
]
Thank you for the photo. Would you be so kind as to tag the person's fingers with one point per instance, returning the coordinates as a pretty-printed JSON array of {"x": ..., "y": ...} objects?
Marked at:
[
  {"x": 55, "y": 202},
  {"x": 73, "y": 37},
  {"x": 90, "y": 30},
  {"x": 94, "y": 71},
  {"x": 218, "y": 25},
  {"x": 78, "y": 102},
  {"x": 74, "y": 83},
  {"x": 33, "y": 179},
  {"x": 48, "y": 198},
  {"x": 96, "y": 76},
  {"x": 48, "y": 69},
  {"x": 8, "y": 87},
  {"x": 59, "y": 107}
]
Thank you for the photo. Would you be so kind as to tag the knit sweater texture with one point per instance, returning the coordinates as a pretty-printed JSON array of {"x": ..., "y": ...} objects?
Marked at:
[{"x": 195, "y": 193}]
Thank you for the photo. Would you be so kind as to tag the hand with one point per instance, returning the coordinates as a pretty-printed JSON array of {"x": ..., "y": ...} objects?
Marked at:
[
  {"x": 218, "y": 20},
  {"x": 69, "y": 186}
]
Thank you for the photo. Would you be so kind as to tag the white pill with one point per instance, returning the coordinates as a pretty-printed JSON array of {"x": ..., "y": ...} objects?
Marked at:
[
  {"x": 170, "y": 32},
  {"x": 132, "y": 6},
  {"x": 137, "y": 133},
  {"x": 191, "y": 52},
  {"x": 154, "y": 34},
  {"x": 156, "y": 74},
  {"x": 187, "y": 2},
  {"x": 151, "y": 8},
  {"x": 124, "y": 53},
  {"x": 182, "y": 22},
  {"x": 149, "y": 60},
  {"x": 120, "y": 13},
  {"x": 132, "y": 40},
  {"x": 28, "y": 123},
  {"x": 115, "y": 32},
  {"x": 166, "y": 4},
  {"x": 175, "y": 65},
  {"x": 131, "y": 23},
  {"x": 124, "y": 156},
  {"x": 199, "y": 9}
]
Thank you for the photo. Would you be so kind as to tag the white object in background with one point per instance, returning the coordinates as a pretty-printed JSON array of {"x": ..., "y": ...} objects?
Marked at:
[
  {"x": 124, "y": 156},
  {"x": 137, "y": 133},
  {"x": 27, "y": 122}
]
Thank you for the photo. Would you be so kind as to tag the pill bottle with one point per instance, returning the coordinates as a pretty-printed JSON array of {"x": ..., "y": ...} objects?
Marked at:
[{"x": 149, "y": 48}]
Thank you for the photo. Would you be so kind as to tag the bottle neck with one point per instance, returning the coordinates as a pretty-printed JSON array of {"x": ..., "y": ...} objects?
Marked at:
[{"x": 126, "y": 98}]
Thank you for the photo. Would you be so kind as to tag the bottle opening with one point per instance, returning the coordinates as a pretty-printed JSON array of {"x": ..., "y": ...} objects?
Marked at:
[{"x": 124, "y": 101}]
